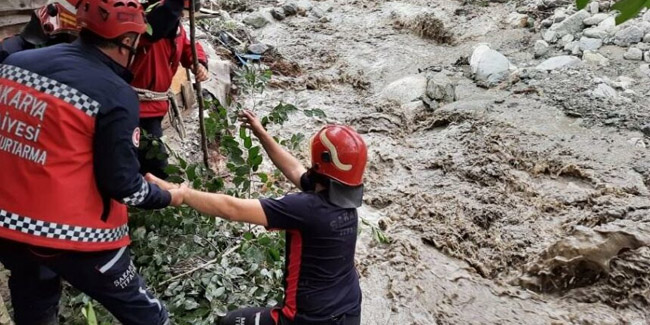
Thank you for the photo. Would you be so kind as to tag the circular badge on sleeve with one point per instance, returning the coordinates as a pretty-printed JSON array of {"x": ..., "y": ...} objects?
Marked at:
[{"x": 136, "y": 137}]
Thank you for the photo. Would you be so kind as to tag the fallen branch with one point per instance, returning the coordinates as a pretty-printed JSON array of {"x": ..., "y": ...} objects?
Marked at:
[{"x": 202, "y": 266}]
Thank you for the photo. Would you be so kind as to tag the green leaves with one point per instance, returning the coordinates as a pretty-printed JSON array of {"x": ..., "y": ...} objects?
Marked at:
[
  {"x": 628, "y": 9},
  {"x": 89, "y": 313},
  {"x": 581, "y": 3}
]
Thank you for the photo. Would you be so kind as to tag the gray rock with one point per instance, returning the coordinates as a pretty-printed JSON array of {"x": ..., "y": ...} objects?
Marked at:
[
  {"x": 541, "y": 48},
  {"x": 594, "y": 7},
  {"x": 278, "y": 13},
  {"x": 566, "y": 39},
  {"x": 559, "y": 16},
  {"x": 256, "y": 20},
  {"x": 550, "y": 36},
  {"x": 558, "y": 62},
  {"x": 258, "y": 48},
  {"x": 590, "y": 44},
  {"x": 488, "y": 66},
  {"x": 405, "y": 90},
  {"x": 290, "y": 9},
  {"x": 546, "y": 23},
  {"x": 517, "y": 20},
  {"x": 594, "y": 58},
  {"x": 646, "y": 130},
  {"x": 646, "y": 56},
  {"x": 604, "y": 91},
  {"x": 571, "y": 45},
  {"x": 646, "y": 16},
  {"x": 440, "y": 88},
  {"x": 595, "y": 32},
  {"x": 571, "y": 24},
  {"x": 646, "y": 38},
  {"x": 633, "y": 54},
  {"x": 629, "y": 35},
  {"x": 595, "y": 19},
  {"x": 318, "y": 12}
]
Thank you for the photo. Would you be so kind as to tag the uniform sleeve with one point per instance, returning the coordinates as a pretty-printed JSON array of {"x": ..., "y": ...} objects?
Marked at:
[
  {"x": 12, "y": 45},
  {"x": 116, "y": 162},
  {"x": 287, "y": 212},
  {"x": 186, "y": 56},
  {"x": 163, "y": 19}
]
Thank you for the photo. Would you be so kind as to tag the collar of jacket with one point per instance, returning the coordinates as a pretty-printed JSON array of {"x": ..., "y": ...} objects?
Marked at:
[{"x": 95, "y": 53}]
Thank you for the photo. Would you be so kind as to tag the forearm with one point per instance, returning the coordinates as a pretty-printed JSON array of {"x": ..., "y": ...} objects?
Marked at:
[
  {"x": 286, "y": 163},
  {"x": 206, "y": 203},
  {"x": 226, "y": 207}
]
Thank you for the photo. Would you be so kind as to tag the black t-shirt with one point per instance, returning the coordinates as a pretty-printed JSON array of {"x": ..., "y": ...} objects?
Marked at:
[{"x": 321, "y": 282}]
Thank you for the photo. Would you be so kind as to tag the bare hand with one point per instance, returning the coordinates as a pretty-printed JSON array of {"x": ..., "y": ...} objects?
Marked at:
[
  {"x": 177, "y": 191},
  {"x": 165, "y": 185},
  {"x": 201, "y": 73},
  {"x": 250, "y": 121}
]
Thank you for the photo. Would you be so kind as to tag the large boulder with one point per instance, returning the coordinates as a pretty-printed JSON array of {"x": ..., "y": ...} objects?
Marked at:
[
  {"x": 628, "y": 36},
  {"x": 558, "y": 62},
  {"x": 405, "y": 90},
  {"x": 488, "y": 66},
  {"x": 571, "y": 24}
]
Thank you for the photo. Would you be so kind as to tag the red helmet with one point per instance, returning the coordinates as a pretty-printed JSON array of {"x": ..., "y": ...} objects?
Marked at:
[
  {"x": 59, "y": 16},
  {"x": 340, "y": 153},
  {"x": 111, "y": 18}
]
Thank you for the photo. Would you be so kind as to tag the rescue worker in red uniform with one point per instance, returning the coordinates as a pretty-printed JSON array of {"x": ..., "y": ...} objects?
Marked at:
[
  {"x": 68, "y": 162},
  {"x": 321, "y": 283},
  {"x": 155, "y": 65},
  {"x": 51, "y": 24}
]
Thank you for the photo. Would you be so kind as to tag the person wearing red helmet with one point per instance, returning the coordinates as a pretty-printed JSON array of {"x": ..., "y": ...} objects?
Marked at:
[
  {"x": 68, "y": 162},
  {"x": 158, "y": 59},
  {"x": 321, "y": 283},
  {"x": 51, "y": 24}
]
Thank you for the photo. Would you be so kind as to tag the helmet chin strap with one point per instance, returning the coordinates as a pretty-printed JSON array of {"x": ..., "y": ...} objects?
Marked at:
[{"x": 132, "y": 50}]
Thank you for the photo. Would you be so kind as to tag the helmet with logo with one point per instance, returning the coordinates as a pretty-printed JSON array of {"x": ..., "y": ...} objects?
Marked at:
[
  {"x": 57, "y": 19},
  {"x": 111, "y": 18},
  {"x": 339, "y": 153}
]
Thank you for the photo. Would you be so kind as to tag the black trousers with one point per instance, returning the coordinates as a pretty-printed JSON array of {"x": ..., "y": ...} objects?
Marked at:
[
  {"x": 263, "y": 316},
  {"x": 153, "y": 127},
  {"x": 108, "y": 277}
]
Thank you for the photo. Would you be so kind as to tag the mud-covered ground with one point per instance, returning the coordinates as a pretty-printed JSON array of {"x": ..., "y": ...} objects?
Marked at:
[{"x": 526, "y": 203}]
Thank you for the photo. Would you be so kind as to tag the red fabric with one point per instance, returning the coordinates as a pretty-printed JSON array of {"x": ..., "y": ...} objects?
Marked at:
[
  {"x": 59, "y": 187},
  {"x": 156, "y": 64},
  {"x": 293, "y": 270}
]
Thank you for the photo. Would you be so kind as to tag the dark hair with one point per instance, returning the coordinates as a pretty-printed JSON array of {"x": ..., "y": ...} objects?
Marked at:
[
  {"x": 91, "y": 38},
  {"x": 317, "y": 178}
]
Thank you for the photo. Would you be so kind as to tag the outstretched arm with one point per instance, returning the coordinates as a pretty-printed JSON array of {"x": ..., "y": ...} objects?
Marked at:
[
  {"x": 223, "y": 206},
  {"x": 288, "y": 164}
]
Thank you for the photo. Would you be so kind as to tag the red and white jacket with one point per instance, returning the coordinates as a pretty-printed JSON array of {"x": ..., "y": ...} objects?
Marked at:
[{"x": 156, "y": 64}]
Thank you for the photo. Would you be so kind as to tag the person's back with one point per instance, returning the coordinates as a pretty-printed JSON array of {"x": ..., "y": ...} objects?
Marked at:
[
  {"x": 68, "y": 157},
  {"x": 321, "y": 279}
]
